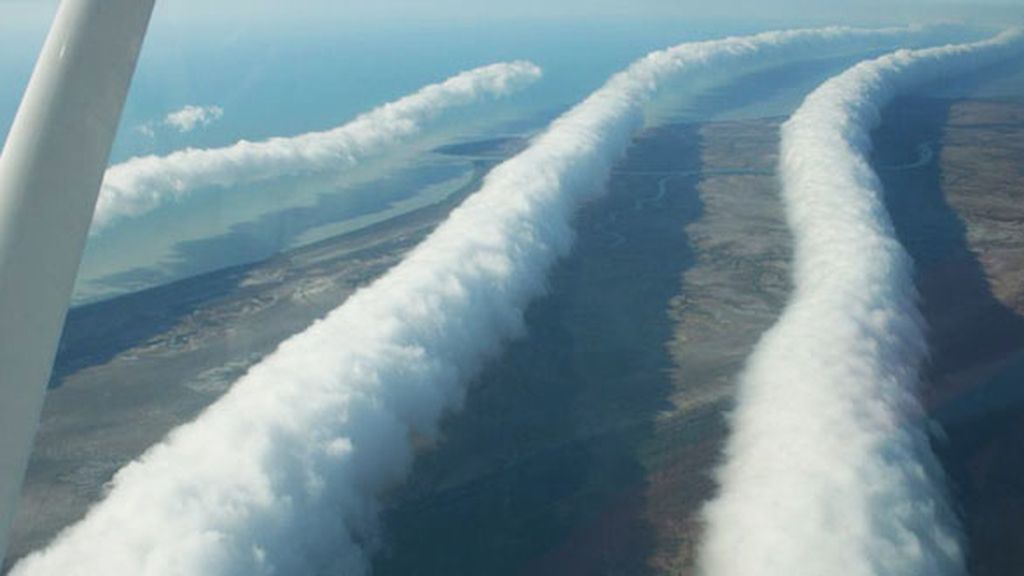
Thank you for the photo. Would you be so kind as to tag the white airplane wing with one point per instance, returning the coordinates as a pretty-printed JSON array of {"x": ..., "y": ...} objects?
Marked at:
[{"x": 50, "y": 173}]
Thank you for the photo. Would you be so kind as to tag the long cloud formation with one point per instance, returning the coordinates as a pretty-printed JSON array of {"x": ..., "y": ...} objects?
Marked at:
[
  {"x": 141, "y": 184},
  {"x": 829, "y": 468},
  {"x": 281, "y": 475}
]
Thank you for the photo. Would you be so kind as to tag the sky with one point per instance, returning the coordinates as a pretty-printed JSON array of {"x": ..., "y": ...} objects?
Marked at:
[
  {"x": 330, "y": 12},
  {"x": 183, "y": 25}
]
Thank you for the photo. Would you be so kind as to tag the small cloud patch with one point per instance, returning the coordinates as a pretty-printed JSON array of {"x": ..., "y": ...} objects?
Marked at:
[
  {"x": 183, "y": 121},
  {"x": 191, "y": 117}
]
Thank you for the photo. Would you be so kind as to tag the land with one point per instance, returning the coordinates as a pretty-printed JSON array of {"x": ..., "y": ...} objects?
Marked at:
[
  {"x": 589, "y": 445},
  {"x": 132, "y": 368},
  {"x": 961, "y": 218}
]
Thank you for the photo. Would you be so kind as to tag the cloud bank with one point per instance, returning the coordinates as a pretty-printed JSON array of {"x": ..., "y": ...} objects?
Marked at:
[
  {"x": 282, "y": 474},
  {"x": 142, "y": 184},
  {"x": 829, "y": 468}
]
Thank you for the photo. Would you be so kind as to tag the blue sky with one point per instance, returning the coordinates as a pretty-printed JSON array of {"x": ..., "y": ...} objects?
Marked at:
[{"x": 476, "y": 10}]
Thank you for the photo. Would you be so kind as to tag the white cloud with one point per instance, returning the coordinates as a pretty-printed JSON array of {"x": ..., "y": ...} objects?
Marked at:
[
  {"x": 190, "y": 117},
  {"x": 282, "y": 474},
  {"x": 183, "y": 121},
  {"x": 142, "y": 184},
  {"x": 829, "y": 468}
]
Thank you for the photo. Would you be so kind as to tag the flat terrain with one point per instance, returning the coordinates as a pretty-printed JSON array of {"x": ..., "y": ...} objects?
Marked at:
[
  {"x": 132, "y": 368},
  {"x": 597, "y": 429},
  {"x": 588, "y": 446},
  {"x": 958, "y": 210}
]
